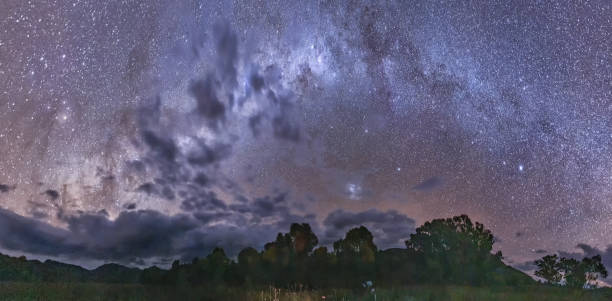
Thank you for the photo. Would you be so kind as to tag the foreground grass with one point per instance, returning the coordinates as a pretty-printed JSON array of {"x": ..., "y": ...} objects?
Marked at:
[{"x": 97, "y": 291}]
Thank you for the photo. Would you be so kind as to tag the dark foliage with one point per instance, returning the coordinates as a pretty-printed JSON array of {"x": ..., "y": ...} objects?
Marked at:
[
  {"x": 455, "y": 250},
  {"x": 571, "y": 272}
]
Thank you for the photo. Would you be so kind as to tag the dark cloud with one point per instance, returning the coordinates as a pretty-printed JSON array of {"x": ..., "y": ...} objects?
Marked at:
[
  {"x": 148, "y": 188},
  {"x": 6, "y": 188},
  {"x": 204, "y": 154},
  {"x": 264, "y": 207},
  {"x": 38, "y": 210},
  {"x": 589, "y": 251},
  {"x": 208, "y": 217},
  {"x": 24, "y": 234},
  {"x": 104, "y": 175},
  {"x": 390, "y": 228},
  {"x": 429, "y": 184},
  {"x": 539, "y": 251},
  {"x": 231, "y": 238},
  {"x": 227, "y": 49},
  {"x": 162, "y": 147},
  {"x": 53, "y": 194},
  {"x": 208, "y": 104},
  {"x": 167, "y": 193},
  {"x": 249, "y": 223},
  {"x": 142, "y": 234},
  {"x": 108, "y": 178},
  {"x": 257, "y": 82},
  {"x": 267, "y": 206},
  {"x": 135, "y": 166},
  {"x": 163, "y": 191},
  {"x": 592, "y": 251},
  {"x": 280, "y": 113},
  {"x": 137, "y": 235},
  {"x": 255, "y": 123},
  {"x": 206, "y": 201},
  {"x": 130, "y": 206},
  {"x": 284, "y": 128},
  {"x": 283, "y": 124},
  {"x": 201, "y": 179}
]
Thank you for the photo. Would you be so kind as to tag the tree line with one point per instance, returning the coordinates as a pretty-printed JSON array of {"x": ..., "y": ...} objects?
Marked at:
[
  {"x": 557, "y": 270},
  {"x": 442, "y": 251}
]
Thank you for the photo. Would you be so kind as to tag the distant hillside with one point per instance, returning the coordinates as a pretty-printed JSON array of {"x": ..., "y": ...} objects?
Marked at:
[{"x": 21, "y": 269}]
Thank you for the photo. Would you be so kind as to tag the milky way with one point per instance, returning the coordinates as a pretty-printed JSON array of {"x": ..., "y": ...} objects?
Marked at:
[{"x": 171, "y": 127}]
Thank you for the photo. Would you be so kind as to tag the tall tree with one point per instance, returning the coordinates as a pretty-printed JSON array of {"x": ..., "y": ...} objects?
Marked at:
[
  {"x": 455, "y": 249},
  {"x": 250, "y": 267},
  {"x": 356, "y": 255},
  {"x": 594, "y": 268},
  {"x": 578, "y": 274},
  {"x": 303, "y": 239},
  {"x": 358, "y": 242},
  {"x": 571, "y": 272},
  {"x": 286, "y": 256},
  {"x": 549, "y": 269}
]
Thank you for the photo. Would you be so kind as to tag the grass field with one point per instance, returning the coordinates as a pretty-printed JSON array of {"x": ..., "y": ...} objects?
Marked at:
[{"x": 95, "y": 291}]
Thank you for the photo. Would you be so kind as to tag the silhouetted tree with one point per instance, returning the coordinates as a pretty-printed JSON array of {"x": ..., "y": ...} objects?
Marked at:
[
  {"x": 594, "y": 268},
  {"x": 285, "y": 258},
  {"x": 303, "y": 242},
  {"x": 248, "y": 258},
  {"x": 548, "y": 269},
  {"x": 321, "y": 268},
  {"x": 250, "y": 267},
  {"x": 358, "y": 242},
  {"x": 578, "y": 274},
  {"x": 455, "y": 249},
  {"x": 217, "y": 265},
  {"x": 571, "y": 272},
  {"x": 278, "y": 261},
  {"x": 356, "y": 255},
  {"x": 303, "y": 239}
]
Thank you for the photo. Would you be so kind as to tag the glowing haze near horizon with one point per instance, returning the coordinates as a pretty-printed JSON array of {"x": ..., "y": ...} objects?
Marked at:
[{"x": 141, "y": 131}]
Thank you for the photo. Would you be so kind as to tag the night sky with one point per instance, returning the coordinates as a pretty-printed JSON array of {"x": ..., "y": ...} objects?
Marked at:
[{"x": 143, "y": 131}]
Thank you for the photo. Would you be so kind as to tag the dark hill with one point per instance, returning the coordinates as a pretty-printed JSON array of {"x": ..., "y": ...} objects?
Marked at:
[
  {"x": 115, "y": 273},
  {"x": 21, "y": 269}
]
